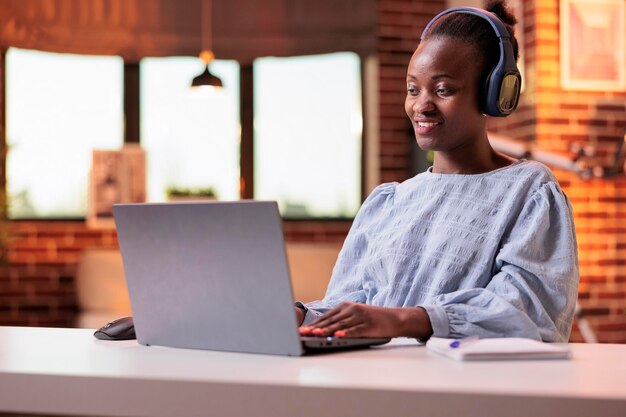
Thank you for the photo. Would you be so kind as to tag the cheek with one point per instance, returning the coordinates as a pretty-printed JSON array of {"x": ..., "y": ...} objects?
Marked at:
[
  {"x": 408, "y": 107},
  {"x": 465, "y": 109}
]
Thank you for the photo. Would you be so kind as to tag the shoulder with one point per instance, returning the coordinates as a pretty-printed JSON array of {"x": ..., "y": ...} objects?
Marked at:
[
  {"x": 534, "y": 171},
  {"x": 382, "y": 194},
  {"x": 539, "y": 187},
  {"x": 376, "y": 203},
  {"x": 525, "y": 178}
]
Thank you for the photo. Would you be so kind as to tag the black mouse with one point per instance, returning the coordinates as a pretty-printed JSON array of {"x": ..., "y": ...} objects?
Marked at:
[{"x": 120, "y": 329}]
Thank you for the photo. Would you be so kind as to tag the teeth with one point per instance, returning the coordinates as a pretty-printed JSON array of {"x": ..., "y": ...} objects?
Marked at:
[{"x": 427, "y": 124}]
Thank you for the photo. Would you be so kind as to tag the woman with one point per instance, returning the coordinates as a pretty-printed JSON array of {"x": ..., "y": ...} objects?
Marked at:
[{"x": 480, "y": 244}]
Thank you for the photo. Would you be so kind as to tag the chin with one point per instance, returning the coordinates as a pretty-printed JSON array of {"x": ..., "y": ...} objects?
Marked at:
[{"x": 426, "y": 144}]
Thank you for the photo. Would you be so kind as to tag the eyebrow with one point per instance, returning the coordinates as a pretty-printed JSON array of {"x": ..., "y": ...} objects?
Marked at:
[{"x": 434, "y": 77}]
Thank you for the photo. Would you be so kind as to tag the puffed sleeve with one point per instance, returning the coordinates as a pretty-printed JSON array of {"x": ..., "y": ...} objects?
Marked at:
[
  {"x": 346, "y": 281},
  {"x": 534, "y": 288}
]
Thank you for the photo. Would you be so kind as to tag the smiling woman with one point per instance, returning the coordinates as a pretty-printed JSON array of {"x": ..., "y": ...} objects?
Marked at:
[
  {"x": 442, "y": 97},
  {"x": 480, "y": 244}
]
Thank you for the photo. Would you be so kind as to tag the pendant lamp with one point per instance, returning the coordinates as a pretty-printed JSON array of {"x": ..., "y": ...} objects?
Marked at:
[{"x": 206, "y": 79}]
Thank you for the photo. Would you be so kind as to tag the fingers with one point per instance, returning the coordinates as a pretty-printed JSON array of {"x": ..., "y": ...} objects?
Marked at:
[
  {"x": 360, "y": 330},
  {"x": 339, "y": 317},
  {"x": 340, "y": 321},
  {"x": 338, "y": 329},
  {"x": 299, "y": 315},
  {"x": 342, "y": 310},
  {"x": 326, "y": 317}
]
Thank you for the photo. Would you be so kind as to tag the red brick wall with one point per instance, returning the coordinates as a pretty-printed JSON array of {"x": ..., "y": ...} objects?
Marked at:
[
  {"x": 555, "y": 119},
  {"x": 600, "y": 217},
  {"x": 400, "y": 24},
  {"x": 521, "y": 124},
  {"x": 37, "y": 287}
]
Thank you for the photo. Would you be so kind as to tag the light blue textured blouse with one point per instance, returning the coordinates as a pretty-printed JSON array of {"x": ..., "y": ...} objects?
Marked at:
[{"x": 490, "y": 254}]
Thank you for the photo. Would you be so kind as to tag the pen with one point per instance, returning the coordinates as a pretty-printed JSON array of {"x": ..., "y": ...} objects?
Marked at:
[{"x": 463, "y": 342}]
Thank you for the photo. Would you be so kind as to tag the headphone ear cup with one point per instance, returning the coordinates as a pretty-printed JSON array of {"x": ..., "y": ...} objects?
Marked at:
[
  {"x": 485, "y": 104},
  {"x": 501, "y": 92},
  {"x": 509, "y": 92}
]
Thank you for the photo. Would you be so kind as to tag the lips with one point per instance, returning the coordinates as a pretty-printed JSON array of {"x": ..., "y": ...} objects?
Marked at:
[
  {"x": 423, "y": 127},
  {"x": 427, "y": 124}
]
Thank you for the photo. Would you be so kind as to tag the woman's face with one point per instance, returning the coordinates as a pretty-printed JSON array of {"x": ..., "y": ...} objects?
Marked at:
[{"x": 442, "y": 95}]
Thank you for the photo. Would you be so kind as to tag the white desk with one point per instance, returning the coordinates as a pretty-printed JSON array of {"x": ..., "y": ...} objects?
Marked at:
[{"x": 66, "y": 371}]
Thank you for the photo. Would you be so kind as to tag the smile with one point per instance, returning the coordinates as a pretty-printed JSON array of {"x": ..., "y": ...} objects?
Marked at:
[
  {"x": 423, "y": 127},
  {"x": 427, "y": 124}
]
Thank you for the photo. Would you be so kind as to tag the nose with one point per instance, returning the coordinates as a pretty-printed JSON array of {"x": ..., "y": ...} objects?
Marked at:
[{"x": 423, "y": 104}]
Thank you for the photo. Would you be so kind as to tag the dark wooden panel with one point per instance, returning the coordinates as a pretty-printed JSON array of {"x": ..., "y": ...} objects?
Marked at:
[
  {"x": 131, "y": 103},
  {"x": 241, "y": 29},
  {"x": 246, "y": 111}
]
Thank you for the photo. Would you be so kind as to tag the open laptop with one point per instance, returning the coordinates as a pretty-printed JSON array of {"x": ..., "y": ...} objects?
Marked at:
[{"x": 213, "y": 275}]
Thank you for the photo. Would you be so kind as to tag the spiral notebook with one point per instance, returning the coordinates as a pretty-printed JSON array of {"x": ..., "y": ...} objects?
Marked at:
[{"x": 505, "y": 348}]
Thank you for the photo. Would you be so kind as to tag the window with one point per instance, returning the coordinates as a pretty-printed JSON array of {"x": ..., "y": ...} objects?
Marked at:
[
  {"x": 191, "y": 137},
  {"x": 59, "y": 108},
  {"x": 308, "y": 132}
]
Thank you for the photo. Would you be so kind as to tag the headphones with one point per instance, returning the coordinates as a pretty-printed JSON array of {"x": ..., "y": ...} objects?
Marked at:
[{"x": 502, "y": 86}]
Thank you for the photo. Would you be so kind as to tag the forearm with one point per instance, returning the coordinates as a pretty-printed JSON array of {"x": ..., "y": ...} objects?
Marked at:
[
  {"x": 413, "y": 322},
  {"x": 515, "y": 303}
]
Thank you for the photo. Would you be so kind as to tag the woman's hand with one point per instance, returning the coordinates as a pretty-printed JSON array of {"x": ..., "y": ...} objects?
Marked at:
[
  {"x": 362, "y": 320},
  {"x": 299, "y": 315}
]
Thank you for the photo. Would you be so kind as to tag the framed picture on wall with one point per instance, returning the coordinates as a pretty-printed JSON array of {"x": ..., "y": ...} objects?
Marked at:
[
  {"x": 593, "y": 54},
  {"x": 117, "y": 176}
]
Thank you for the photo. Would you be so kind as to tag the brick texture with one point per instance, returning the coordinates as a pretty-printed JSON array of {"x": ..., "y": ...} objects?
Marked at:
[
  {"x": 37, "y": 284},
  {"x": 558, "y": 120},
  {"x": 400, "y": 24}
]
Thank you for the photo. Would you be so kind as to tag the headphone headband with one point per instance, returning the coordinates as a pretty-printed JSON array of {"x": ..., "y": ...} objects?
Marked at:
[
  {"x": 502, "y": 86},
  {"x": 494, "y": 21}
]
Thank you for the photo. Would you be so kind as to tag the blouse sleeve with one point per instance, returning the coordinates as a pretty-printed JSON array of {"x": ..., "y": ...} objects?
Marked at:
[
  {"x": 346, "y": 282},
  {"x": 534, "y": 289}
]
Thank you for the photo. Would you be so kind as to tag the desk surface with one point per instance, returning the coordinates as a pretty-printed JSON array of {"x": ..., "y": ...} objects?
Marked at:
[{"x": 67, "y": 371}]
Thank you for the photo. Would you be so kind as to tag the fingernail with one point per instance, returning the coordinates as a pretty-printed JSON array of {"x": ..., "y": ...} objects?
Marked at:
[
  {"x": 304, "y": 330},
  {"x": 317, "y": 331},
  {"x": 340, "y": 333}
]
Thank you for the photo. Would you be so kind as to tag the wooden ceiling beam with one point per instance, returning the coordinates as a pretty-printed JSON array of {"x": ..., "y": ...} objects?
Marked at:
[{"x": 241, "y": 29}]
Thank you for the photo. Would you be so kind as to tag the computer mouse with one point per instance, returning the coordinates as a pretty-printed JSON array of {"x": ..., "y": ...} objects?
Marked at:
[{"x": 120, "y": 329}]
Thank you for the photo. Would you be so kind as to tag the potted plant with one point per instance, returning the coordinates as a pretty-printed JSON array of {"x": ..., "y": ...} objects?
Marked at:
[{"x": 190, "y": 194}]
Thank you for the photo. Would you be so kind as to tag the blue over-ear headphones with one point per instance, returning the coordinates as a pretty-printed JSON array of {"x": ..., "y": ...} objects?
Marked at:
[{"x": 502, "y": 86}]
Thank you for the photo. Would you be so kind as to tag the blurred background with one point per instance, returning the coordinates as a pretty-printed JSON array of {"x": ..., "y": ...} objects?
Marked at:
[{"x": 96, "y": 107}]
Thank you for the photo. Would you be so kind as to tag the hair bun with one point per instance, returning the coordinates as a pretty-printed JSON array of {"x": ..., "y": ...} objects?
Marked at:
[{"x": 499, "y": 8}]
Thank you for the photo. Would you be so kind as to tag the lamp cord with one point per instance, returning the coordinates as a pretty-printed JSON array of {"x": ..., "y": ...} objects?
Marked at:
[{"x": 206, "y": 24}]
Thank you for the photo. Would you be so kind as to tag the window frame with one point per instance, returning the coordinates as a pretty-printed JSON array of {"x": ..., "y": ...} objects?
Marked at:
[
  {"x": 132, "y": 129},
  {"x": 247, "y": 160},
  {"x": 4, "y": 198}
]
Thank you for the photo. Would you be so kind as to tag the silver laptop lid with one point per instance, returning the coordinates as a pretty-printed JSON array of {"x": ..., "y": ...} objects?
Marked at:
[{"x": 208, "y": 275}]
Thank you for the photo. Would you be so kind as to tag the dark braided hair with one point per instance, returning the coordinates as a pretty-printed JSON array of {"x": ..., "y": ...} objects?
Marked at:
[{"x": 477, "y": 32}]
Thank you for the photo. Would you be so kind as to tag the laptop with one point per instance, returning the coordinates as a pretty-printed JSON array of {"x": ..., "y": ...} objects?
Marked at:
[{"x": 213, "y": 275}]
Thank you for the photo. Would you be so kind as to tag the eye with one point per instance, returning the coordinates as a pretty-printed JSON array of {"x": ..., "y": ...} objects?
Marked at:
[
  {"x": 412, "y": 90},
  {"x": 444, "y": 92}
]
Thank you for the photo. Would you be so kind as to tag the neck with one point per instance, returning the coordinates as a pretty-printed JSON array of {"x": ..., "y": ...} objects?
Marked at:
[{"x": 476, "y": 159}]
